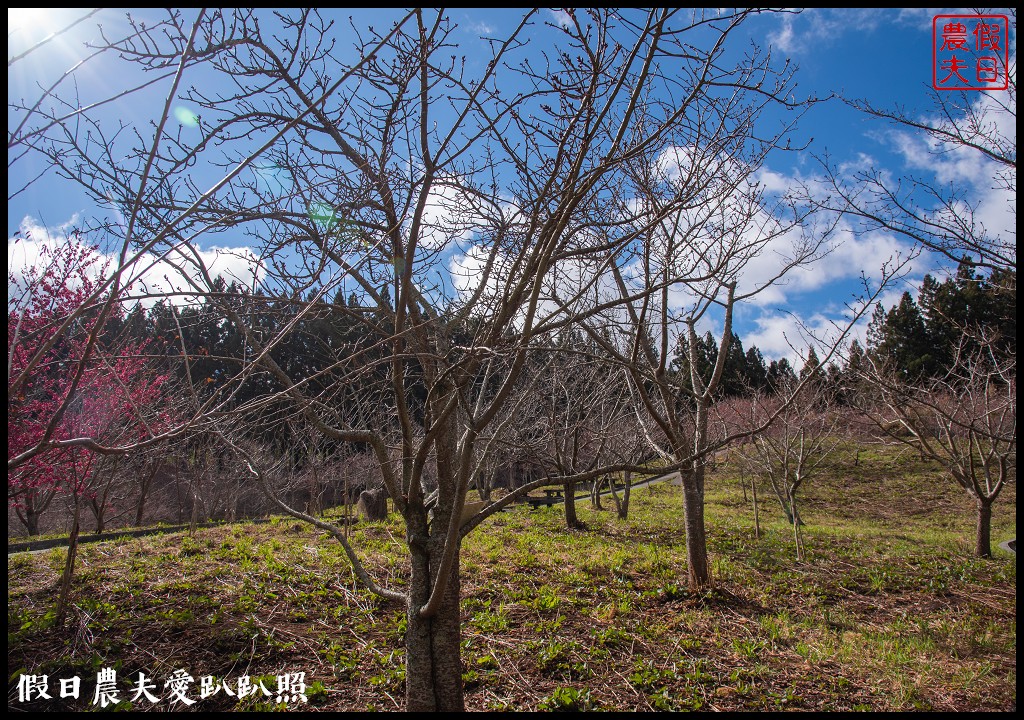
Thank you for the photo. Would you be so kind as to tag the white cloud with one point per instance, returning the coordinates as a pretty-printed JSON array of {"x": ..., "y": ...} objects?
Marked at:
[
  {"x": 479, "y": 27},
  {"x": 561, "y": 17},
  {"x": 148, "y": 277},
  {"x": 785, "y": 335},
  {"x": 774, "y": 182},
  {"x": 467, "y": 268},
  {"x": 776, "y": 336},
  {"x": 922, "y": 18},
  {"x": 813, "y": 29},
  {"x": 25, "y": 250},
  {"x": 784, "y": 38},
  {"x": 468, "y": 264},
  {"x": 153, "y": 275},
  {"x": 449, "y": 214},
  {"x": 852, "y": 256}
]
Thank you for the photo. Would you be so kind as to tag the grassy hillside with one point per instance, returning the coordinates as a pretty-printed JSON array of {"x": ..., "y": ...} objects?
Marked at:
[{"x": 887, "y": 612}]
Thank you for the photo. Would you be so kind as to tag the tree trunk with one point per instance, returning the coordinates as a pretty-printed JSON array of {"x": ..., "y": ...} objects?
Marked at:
[
  {"x": 314, "y": 507},
  {"x": 433, "y": 666},
  {"x": 99, "y": 501},
  {"x": 698, "y": 572},
  {"x": 983, "y": 535},
  {"x": 753, "y": 494},
  {"x": 433, "y": 670},
  {"x": 64, "y": 594},
  {"x": 615, "y": 495},
  {"x": 797, "y": 538},
  {"x": 179, "y": 496},
  {"x": 99, "y": 512},
  {"x": 484, "y": 483},
  {"x": 140, "y": 506},
  {"x": 781, "y": 498},
  {"x": 35, "y": 504},
  {"x": 692, "y": 479},
  {"x": 31, "y": 520},
  {"x": 571, "y": 520},
  {"x": 624, "y": 505},
  {"x": 595, "y": 494}
]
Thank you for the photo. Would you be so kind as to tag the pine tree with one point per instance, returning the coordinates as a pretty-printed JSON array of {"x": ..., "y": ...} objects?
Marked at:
[
  {"x": 901, "y": 341},
  {"x": 780, "y": 375},
  {"x": 812, "y": 366},
  {"x": 756, "y": 370},
  {"x": 963, "y": 310}
]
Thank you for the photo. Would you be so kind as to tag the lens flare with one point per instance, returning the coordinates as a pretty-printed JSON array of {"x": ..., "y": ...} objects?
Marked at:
[
  {"x": 322, "y": 214},
  {"x": 185, "y": 116}
]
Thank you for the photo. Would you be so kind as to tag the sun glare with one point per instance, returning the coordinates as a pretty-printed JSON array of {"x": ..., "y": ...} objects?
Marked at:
[
  {"x": 25, "y": 18},
  {"x": 51, "y": 36}
]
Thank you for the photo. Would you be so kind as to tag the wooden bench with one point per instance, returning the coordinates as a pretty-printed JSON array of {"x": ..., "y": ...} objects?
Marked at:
[{"x": 536, "y": 502}]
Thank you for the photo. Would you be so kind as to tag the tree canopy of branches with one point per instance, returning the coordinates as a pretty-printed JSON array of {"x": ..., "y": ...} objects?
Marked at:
[
  {"x": 966, "y": 419},
  {"x": 969, "y": 213}
]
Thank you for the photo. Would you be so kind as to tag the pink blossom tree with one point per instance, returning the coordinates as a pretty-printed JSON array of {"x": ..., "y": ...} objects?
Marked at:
[{"x": 76, "y": 390}]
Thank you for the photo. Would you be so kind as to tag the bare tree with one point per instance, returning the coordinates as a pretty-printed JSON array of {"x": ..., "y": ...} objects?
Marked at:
[
  {"x": 469, "y": 210},
  {"x": 958, "y": 198},
  {"x": 966, "y": 420},
  {"x": 711, "y": 224},
  {"x": 586, "y": 405},
  {"x": 796, "y": 444}
]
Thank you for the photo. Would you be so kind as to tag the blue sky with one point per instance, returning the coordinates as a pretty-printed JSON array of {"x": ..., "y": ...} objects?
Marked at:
[{"x": 883, "y": 56}]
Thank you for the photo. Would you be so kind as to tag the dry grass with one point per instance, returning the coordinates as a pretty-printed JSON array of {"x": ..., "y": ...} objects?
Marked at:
[{"x": 888, "y": 612}]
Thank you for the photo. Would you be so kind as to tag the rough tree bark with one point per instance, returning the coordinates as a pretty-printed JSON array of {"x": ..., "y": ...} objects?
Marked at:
[{"x": 698, "y": 571}]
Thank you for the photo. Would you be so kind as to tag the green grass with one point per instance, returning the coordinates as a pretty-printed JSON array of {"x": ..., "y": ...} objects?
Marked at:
[{"x": 888, "y": 611}]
